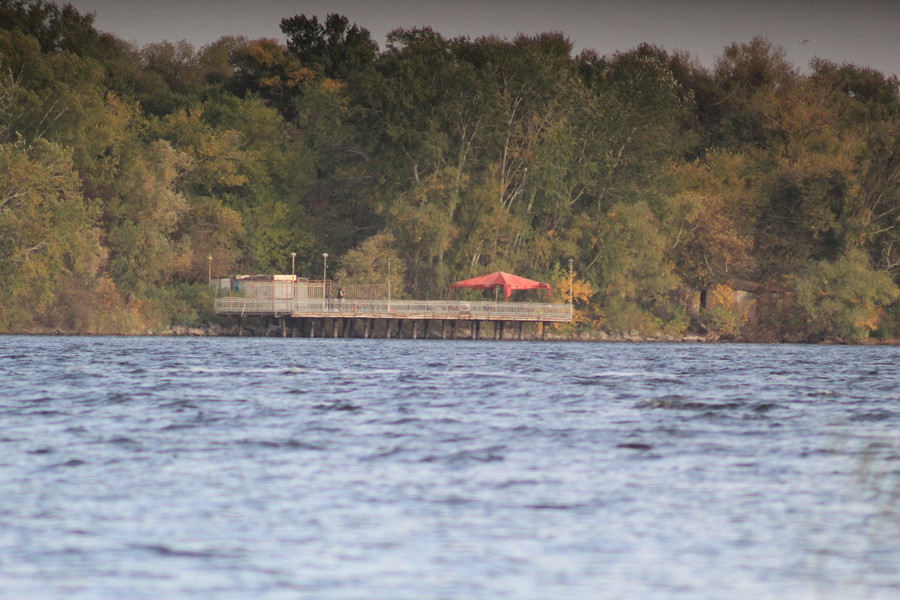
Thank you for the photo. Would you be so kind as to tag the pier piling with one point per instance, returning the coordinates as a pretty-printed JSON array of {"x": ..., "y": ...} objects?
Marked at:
[{"x": 267, "y": 307}]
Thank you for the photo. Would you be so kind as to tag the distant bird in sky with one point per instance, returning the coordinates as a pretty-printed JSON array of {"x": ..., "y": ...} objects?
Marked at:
[{"x": 806, "y": 41}]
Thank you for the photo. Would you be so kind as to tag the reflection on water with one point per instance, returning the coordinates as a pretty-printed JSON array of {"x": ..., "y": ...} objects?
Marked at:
[{"x": 273, "y": 468}]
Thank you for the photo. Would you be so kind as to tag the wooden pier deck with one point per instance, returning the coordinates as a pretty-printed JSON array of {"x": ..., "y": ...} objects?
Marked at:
[{"x": 341, "y": 314}]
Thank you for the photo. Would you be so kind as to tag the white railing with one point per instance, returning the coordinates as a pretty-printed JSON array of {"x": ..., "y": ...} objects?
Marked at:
[{"x": 395, "y": 309}]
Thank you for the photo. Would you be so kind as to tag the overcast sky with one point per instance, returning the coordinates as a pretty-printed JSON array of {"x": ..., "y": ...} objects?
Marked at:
[{"x": 864, "y": 32}]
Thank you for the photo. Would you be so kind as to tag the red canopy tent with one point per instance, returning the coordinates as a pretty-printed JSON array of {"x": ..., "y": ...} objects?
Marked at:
[{"x": 505, "y": 280}]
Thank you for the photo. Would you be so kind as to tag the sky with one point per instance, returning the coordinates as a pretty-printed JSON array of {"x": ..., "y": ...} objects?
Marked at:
[{"x": 864, "y": 32}]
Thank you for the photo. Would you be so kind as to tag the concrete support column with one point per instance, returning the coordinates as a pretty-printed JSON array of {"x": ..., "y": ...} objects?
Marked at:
[
  {"x": 520, "y": 330},
  {"x": 415, "y": 325},
  {"x": 453, "y": 329}
]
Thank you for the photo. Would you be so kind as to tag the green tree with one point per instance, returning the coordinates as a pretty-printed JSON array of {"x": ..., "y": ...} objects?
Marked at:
[
  {"x": 749, "y": 76},
  {"x": 129, "y": 79},
  {"x": 708, "y": 222},
  {"x": 867, "y": 107},
  {"x": 177, "y": 64},
  {"x": 645, "y": 116},
  {"x": 844, "y": 298},
  {"x": 637, "y": 285},
  {"x": 371, "y": 261},
  {"x": 49, "y": 239},
  {"x": 265, "y": 68},
  {"x": 143, "y": 219},
  {"x": 57, "y": 30},
  {"x": 63, "y": 98},
  {"x": 335, "y": 48},
  {"x": 424, "y": 109}
]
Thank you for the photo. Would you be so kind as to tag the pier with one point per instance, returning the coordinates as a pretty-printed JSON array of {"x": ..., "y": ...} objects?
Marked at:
[{"x": 303, "y": 310}]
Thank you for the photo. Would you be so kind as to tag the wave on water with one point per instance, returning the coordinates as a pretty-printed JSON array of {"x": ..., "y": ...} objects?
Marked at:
[
  {"x": 477, "y": 455},
  {"x": 873, "y": 416},
  {"x": 338, "y": 406},
  {"x": 426, "y": 469},
  {"x": 676, "y": 402},
  {"x": 280, "y": 444},
  {"x": 644, "y": 376},
  {"x": 634, "y": 446},
  {"x": 168, "y": 551},
  {"x": 72, "y": 462}
]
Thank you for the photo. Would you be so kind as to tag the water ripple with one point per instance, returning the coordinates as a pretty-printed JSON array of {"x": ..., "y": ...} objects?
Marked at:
[{"x": 333, "y": 469}]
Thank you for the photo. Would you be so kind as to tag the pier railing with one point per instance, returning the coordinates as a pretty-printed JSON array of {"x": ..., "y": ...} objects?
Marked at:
[{"x": 395, "y": 309}]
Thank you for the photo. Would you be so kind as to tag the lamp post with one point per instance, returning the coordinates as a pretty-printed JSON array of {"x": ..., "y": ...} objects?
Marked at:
[
  {"x": 571, "y": 299},
  {"x": 293, "y": 256},
  {"x": 389, "y": 284},
  {"x": 324, "y": 273},
  {"x": 209, "y": 274}
]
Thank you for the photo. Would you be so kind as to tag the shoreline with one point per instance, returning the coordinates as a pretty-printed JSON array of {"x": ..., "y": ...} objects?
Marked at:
[{"x": 218, "y": 330}]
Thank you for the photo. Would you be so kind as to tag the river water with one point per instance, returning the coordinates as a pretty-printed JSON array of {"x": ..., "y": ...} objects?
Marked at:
[{"x": 331, "y": 469}]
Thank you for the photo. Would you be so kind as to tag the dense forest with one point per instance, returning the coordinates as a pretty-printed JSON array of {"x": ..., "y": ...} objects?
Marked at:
[{"x": 130, "y": 175}]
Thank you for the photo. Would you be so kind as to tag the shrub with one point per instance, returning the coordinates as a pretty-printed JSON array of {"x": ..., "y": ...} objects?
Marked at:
[{"x": 843, "y": 299}]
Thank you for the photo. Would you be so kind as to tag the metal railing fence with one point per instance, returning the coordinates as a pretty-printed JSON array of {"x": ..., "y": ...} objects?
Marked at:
[{"x": 394, "y": 309}]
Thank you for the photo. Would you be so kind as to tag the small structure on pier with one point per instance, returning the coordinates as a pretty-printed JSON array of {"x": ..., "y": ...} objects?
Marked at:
[{"x": 506, "y": 281}]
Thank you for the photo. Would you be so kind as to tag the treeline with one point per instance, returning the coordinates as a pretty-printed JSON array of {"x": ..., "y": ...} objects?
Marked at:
[{"x": 129, "y": 175}]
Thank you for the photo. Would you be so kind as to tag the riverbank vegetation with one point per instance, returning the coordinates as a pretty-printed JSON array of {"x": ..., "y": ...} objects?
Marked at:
[{"x": 130, "y": 175}]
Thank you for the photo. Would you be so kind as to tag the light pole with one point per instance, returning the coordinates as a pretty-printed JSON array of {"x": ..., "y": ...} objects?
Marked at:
[
  {"x": 209, "y": 274},
  {"x": 389, "y": 284},
  {"x": 571, "y": 299},
  {"x": 324, "y": 273},
  {"x": 293, "y": 256}
]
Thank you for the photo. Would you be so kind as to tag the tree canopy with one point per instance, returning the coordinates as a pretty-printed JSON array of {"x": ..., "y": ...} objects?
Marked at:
[{"x": 125, "y": 169}]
